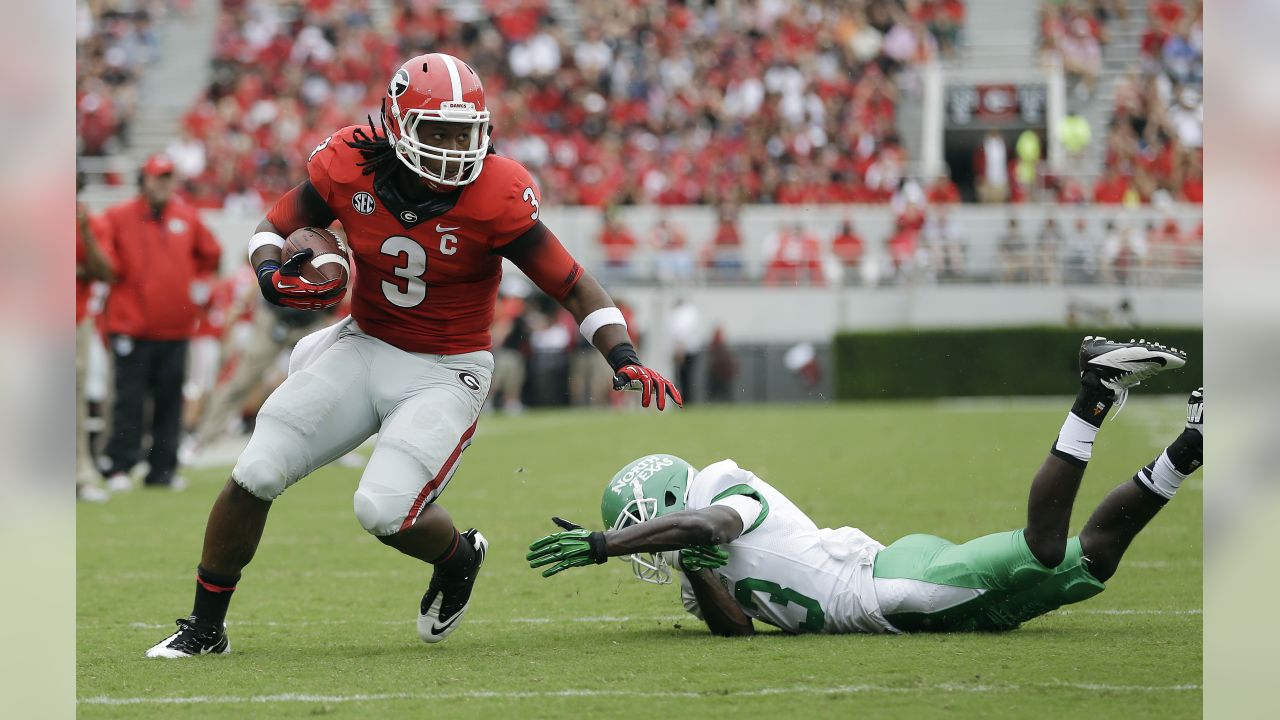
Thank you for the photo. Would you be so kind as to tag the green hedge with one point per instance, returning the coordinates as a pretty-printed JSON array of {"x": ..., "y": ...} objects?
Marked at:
[{"x": 981, "y": 362}]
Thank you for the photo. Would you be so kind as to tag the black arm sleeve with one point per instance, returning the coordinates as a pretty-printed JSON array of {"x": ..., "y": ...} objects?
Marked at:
[
  {"x": 539, "y": 254},
  {"x": 300, "y": 207}
]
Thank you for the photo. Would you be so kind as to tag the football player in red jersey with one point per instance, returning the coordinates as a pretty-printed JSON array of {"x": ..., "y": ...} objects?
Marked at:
[{"x": 430, "y": 213}]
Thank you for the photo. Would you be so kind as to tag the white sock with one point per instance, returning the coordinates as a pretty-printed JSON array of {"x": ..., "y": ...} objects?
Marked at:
[
  {"x": 1160, "y": 477},
  {"x": 1076, "y": 438}
]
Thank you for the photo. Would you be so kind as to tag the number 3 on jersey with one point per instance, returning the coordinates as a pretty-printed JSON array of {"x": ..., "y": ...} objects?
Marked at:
[
  {"x": 814, "y": 618},
  {"x": 414, "y": 267}
]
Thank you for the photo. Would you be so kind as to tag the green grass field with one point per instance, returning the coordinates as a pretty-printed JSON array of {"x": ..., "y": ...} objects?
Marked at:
[{"x": 323, "y": 622}]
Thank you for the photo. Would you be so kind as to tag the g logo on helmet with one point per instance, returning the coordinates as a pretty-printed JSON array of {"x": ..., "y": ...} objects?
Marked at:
[{"x": 399, "y": 83}]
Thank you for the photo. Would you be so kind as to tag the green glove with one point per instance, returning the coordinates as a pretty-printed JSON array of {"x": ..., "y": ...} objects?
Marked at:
[
  {"x": 568, "y": 549},
  {"x": 702, "y": 557}
]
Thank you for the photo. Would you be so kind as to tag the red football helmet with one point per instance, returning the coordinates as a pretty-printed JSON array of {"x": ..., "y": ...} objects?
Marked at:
[{"x": 437, "y": 88}]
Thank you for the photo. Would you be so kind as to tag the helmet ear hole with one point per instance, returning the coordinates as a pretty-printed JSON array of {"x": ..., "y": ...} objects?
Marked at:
[{"x": 669, "y": 499}]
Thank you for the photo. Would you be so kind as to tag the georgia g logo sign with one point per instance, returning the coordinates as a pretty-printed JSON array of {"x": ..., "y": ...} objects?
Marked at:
[
  {"x": 470, "y": 380},
  {"x": 399, "y": 83}
]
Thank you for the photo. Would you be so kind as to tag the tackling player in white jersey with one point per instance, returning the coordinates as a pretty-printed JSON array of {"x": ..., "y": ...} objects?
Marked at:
[{"x": 748, "y": 553}]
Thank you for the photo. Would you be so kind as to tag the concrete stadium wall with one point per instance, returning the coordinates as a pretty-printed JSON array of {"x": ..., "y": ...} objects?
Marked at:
[
  {"x": 779, "y": 316},
  {"x": 982, "y": 225}
]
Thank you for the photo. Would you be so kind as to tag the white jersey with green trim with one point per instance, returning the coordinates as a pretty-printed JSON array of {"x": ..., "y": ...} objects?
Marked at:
[{"x": 783, "y": 569}]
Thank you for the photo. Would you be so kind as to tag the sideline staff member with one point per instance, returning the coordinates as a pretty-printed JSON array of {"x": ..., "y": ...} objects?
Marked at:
[{"x": 160, "y": 246}]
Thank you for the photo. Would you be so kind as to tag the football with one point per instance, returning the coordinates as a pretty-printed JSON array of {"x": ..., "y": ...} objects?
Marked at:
[{"x": 330, "y": 260}]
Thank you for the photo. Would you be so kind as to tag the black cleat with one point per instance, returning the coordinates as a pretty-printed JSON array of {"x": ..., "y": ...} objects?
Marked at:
[
  {"x": 1195, "y": 411},
  {"x": 192, "y": 639},
  {"x": 448, "y": 597},
  {"x": 1119, "y": 366}
]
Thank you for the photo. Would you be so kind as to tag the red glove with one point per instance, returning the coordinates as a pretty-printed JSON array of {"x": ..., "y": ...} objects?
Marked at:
[
  {"x": 648, "y": 382},
  {"x": 284, "y": 285}
]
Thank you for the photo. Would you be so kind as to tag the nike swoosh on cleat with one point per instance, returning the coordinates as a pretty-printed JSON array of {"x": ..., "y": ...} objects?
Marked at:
[{"x": 437, "y": 628}]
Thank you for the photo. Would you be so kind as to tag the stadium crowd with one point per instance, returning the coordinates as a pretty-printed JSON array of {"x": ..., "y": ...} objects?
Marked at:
[
  {"x": 655, "y": 102},
  {"x": 115, "y": 40},
  {"x": 662, "y": 103},
  {"x": 1154, "y": 140}
]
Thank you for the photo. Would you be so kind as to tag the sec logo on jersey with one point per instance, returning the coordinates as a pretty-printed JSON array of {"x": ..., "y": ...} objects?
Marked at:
[{"x": 363, "y": 203}]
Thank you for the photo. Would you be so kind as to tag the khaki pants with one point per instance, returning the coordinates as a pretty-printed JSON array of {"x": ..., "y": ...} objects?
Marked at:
[
  {"x": 508, "y": 375},
  {"x": 268, "y": 340},
  {"x": 86, "y": 470}
]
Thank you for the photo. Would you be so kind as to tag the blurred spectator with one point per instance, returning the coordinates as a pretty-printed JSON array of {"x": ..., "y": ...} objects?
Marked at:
[
  {"x": 1080, "y": 258},
  {"x": 1192, "y": 180},
  {"x": 204, "y": 351},
  {"x": 92, "y": 265},
  {"x": 619, "y": 245},
  {"x": 1081, "y": 57},
  {"x": 847, "y": 246},
  {"x": 551, "y": 337},
  {"x": 993, "y": 171},
  {"x": 722, "y": 368},
  {"x": 687, "y": 339},
  {"x": 943, "y": 191},
  {"x": 1124, "y": 254},
  {"x": 1015, "y": 254},
  {"x": 673, "y": 262},
  {"x": 188, "y": 155},
  {"x": 945, "y": 19},
  {"x": 795, "y": 257},
  {"x": 908, "y": 205},
  {"x": 590, "y": 379},
  {"x": 1048, "y": 245},
  {"x": 802, "y": 360},
  {"x": 511, "y": 351},
  {"x": 723, "y": 257},
  {"x": 946, "y": 243},
  {"x": 158, "y": 244},
  {"x": 1111, "y": 188}
]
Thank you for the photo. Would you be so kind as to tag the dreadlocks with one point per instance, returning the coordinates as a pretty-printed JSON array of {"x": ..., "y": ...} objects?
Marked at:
[{"x": 378, "y": 154}]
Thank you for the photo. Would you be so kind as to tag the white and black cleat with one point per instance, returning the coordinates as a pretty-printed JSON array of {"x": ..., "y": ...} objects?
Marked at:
[
  {"x": 447, "y": 598},
  {"x": 191, "y": 640},
  {"x": 1119, "y": 366},
  {"x": 1195, "y": 411}
]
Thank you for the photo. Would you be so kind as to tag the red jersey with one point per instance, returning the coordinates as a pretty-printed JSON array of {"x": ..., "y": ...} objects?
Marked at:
[{"x": 427, "y": 274}]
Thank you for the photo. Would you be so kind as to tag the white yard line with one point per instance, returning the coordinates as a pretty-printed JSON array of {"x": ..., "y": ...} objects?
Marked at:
[
  {"x": 590, "y": 693},
  {"x": 1070, "y": 611},
  {"x": 588, "y": 619},
  {"x": 183, "y": 576}
]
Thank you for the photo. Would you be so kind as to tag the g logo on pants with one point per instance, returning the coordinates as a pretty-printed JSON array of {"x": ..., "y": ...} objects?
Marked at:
[{"x": 470, "y": 380}]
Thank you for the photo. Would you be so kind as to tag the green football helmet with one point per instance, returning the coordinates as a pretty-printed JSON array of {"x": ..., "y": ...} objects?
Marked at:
[{"x": 647, "y": 488}]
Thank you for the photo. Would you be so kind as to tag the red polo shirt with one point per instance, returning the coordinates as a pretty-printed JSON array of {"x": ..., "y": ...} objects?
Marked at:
[{"x": 156, "y": 259}]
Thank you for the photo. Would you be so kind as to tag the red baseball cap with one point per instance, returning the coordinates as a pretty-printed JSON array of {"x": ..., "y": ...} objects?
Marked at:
[{"x": 158, "y": 164}]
